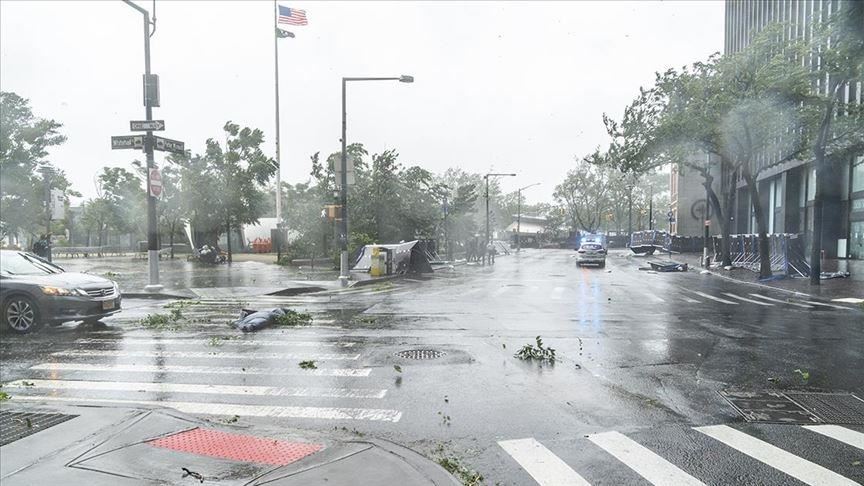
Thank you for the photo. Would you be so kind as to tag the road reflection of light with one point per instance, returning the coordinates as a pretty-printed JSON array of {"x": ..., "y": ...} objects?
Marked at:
[
  {"x": 589, "y": 304},
  {"x": 657, "y": 348}
]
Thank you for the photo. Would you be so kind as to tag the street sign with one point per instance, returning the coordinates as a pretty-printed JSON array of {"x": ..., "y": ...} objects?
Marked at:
[
  {"x": 168, "y": 145},
  {"x": 127, "y": 142},
  {"x": 349, "y": 163},
  {"x": 58, "y": 204},
  {"x": 146, "y": 125},
  {"x": 155, "y": 183}
]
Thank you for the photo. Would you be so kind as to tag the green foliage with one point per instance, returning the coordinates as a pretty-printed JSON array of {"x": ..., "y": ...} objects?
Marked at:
[
  {"x": 292, "y": 318},
  {"x": 162, "y": 321},
  {"x": 467, "y": 476},
  {"x": 24, "y": 144},
  {"x": 308, "y": 365},
  {"x": 805, "y": 375},
  {"x": 530, "y": 352},
  {"x": 4, "y": 396}
]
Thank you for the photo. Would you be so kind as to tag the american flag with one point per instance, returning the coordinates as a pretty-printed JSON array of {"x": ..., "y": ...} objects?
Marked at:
[{"x": 292, "y": 16}]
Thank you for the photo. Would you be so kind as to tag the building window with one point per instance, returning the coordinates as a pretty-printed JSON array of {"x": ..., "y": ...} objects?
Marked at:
[
  {"x": 778, "y": 193},
  {"x": 858, "y": 175},
  {"x": 811, "y": 185}
]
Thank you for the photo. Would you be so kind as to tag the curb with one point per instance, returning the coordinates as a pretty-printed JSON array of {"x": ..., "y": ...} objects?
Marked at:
[
  {"x": 372, "y": 281},
  {"x": 153, "y": 295}
]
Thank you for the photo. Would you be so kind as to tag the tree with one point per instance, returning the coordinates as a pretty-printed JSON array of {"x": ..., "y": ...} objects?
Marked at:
[
  {"x": 24, "y": 144},
  {"x": 584, "y": 193},
  {"x": 170, "y": 209},
  {"x": 833, "y": 127},
  {"x": 98, "y": 215},
  {"x": 239, "y": 170},
  {"x": 122, "y": 190}
]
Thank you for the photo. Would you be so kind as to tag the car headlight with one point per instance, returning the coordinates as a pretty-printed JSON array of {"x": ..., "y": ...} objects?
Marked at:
[{"x": 60, "y": 291}]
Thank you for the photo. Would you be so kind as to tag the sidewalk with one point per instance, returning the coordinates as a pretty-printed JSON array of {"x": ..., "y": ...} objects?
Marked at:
[
  {"x": 851, "y": 287},
  {"x": 111, "y": 446}
]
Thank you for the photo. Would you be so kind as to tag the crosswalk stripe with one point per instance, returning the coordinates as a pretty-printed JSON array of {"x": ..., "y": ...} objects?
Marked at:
[
  {"x": 717, "y": 299},
  {"x": 823, "y": 304},
  {"x": 204, "y": 354},
  {"x": 204, "y": 370},
  {"x": 226, "y": 341},
  {"x": 197, "y": 388},
  {"x": 771, "y": 299},
  {"x": 800, "y": 469},
  {"x": 847, "y": 436},
  {"x": 229, "y": 409},
  {"x": 640, "y": 459},
  {"x": 745, "y": 299},
  {"x": 545, "y": 467}
]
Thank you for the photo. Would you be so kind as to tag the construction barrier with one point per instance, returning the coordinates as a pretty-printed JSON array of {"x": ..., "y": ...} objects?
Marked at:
[{"x": 786, "y": 252}]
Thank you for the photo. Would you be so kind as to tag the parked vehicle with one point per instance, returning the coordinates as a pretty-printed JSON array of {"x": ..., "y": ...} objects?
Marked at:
[
  {"x": 34, "y": 291},
  {"x": 591, "y": 252}
]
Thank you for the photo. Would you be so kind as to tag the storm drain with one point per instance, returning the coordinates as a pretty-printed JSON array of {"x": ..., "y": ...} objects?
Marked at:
[
  {"x": 797, "y": 407},
  {"x": 17, "y": 425},
  {"x": 420, "y": 354},
  {"x": 832, "y": 408}
]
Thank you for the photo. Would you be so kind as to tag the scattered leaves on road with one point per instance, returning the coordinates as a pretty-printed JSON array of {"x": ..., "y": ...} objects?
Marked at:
[
  {"x": 292, "y": 318},
  {"x": 231, "y": 420},
  {"x": 4, "y": 396},
  {"x": 445, "y": 419},
  {"x": 468, "y": 476},
  {"x": 530, "y": 352},
  {"x": 308, "y": 365},
  {"x": 805, "y": 375},
  {"x": 397, "y": 368},
  {"x": 162, "y": 321}
]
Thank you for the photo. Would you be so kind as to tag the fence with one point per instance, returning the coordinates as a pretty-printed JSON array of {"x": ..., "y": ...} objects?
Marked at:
[
  {"x": 86, "y": 251},
  {"x": 786, "y": 251}
]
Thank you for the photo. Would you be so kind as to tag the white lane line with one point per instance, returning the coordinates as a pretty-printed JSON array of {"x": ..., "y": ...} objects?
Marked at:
[
  {"x": 230, "y": 409},
  {"x": 203, "y": 370},
  {"x": 197, "y": 388},
  {"x": 823, "y": 304},
  {"x": 204, "y": 354},
  {"x": 717, "y": 299},
  {"x": 558, "y": 293},
  {"x": 227, "y": 341},
  {"x": 800, "y": 469},
  {"x": 847, "y": 436},
  {"x": 849, "y": 300},
  {"x": 545, "y": 467},
  {"x": 471, "y": 291},
  {"x": 745, "y": 299},
  {"x": 770, "y": 299},
  {"x": 640, "y": 459},
  {"x": 692, "y": 301},
  {"x": 501, "y": 291},
  {"x": 655, "y": 298}
]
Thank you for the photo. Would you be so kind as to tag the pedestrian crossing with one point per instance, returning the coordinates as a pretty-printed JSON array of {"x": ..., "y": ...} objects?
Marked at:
[
  {"x": 607, "y": 457},
  {"x": 193, "y": 376}
]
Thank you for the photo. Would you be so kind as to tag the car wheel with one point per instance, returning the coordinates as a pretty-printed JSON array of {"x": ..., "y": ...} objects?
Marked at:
[{"x": 20, "y": 314}]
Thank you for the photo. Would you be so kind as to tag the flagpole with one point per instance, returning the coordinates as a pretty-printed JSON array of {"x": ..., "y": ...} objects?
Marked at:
[{"x": 278, "y": 154}]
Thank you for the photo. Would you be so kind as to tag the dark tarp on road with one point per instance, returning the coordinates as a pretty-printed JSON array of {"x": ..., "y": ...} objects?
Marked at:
[{"x": 410, "y": 257}]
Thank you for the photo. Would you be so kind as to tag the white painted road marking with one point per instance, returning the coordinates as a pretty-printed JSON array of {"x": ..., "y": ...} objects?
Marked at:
[
  {"x": 227, "y": 341},
  {"x": 718, "y": 299},
  {"x": 545, "y": 467},
  {"x": 327, "y": 413},
  {"x": 800, "y": 469},
  {"x": 197, "y": 388},
  {"x": 745, "y": 299},
  {"x": 847, "y": 436},
  {"x": 206, "y": 355},
  {"x": 781, "y": 301},
  {"x": 647, "y": 464},
  {"x": 823, "y": 304},
  {"x": 692, "y": 301},
  {"x": 204, "y": 370}
]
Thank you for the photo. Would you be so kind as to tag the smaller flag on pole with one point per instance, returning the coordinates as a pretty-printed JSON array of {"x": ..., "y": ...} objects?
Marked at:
[
  {"x": 292, "y": 16},
  {"x": 283, "y": 33}
]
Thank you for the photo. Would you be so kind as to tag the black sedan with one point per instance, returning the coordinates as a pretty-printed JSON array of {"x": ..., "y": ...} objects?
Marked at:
[{"x": 34, "y": 291}]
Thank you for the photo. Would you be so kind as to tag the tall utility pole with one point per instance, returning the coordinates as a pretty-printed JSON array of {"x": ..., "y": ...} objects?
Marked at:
[
  {"x": 343, "y": 180},
  {"x": 651, "y": 209},
  {"x": 519, "y": 215},
  {"x": 487, "y": 176},
  {"x": 152, "y": 228},
  {"x": 278, "y": 147}
]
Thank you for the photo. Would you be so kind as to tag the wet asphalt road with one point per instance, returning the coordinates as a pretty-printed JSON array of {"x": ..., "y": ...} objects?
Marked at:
[{"x": 642, "y": 358}]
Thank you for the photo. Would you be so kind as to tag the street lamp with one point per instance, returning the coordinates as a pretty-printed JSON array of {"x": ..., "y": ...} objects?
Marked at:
[
  {"x": 343, "y": 226},
  {"x": 519, "y": 215},
  {"x": 152, "y": 236},
  {"x": 487, "y": 176}
]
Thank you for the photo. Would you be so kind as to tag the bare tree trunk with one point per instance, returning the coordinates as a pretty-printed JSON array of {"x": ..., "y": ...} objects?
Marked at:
[
  {"x": 171, "y": 238},
  {"x": 761, "y": 225},
  {"x": 816, "y": 241},
  {"x": 228, "y": 231}
]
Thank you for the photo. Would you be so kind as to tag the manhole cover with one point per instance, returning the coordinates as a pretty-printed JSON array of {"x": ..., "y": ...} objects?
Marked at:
[
  {"x": 832, "y": 408},
  {"x": 420, "y": 354},
  {"x": 768, "y": 406},
  {"x": 17, "y": 425}
]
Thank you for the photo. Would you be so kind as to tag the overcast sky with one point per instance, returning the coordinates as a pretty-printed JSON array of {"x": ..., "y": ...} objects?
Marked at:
[{"x": 509, "y": 86}]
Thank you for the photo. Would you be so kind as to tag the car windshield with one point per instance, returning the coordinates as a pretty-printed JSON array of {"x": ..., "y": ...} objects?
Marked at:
[{"x": 18, "y": 263}]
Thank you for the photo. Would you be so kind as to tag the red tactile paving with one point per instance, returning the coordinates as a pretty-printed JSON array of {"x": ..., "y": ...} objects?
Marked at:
[{"x": 245, "y": 448}]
